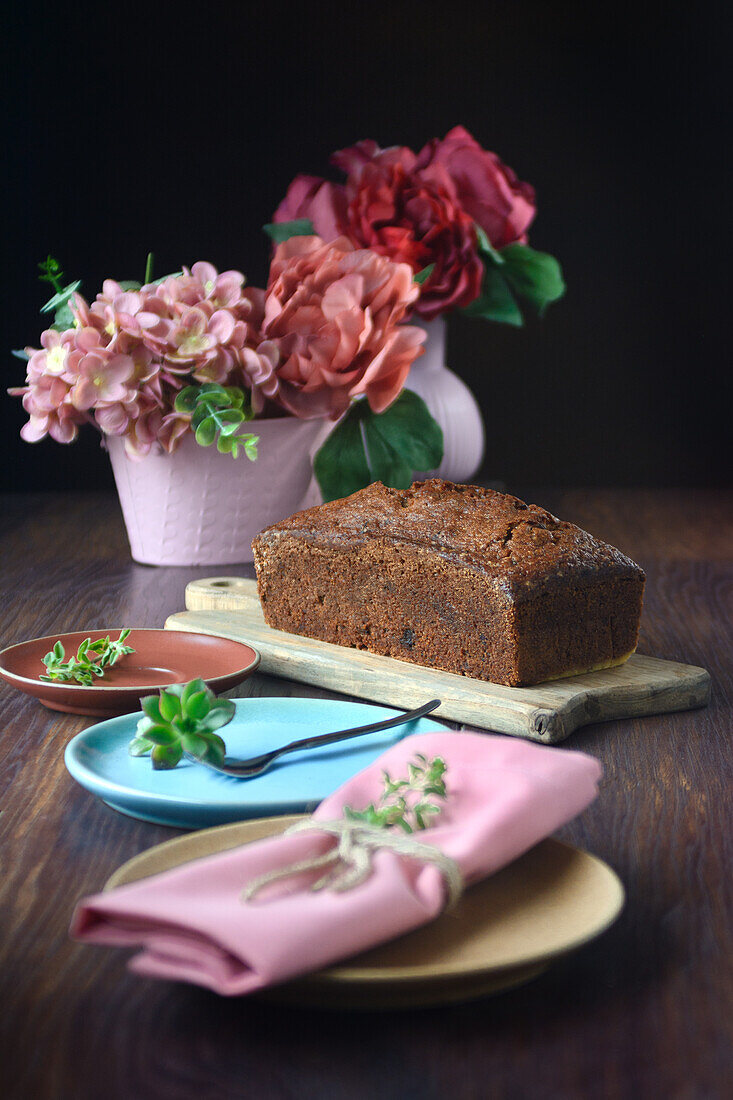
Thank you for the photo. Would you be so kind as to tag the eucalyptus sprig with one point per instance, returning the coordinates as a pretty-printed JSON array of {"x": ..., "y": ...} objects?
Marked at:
[
  {"x": 181, "y": 719},
  {"x": 51, "y": 273},
  {"x": 63, "y": 318},
  {"x": 406, "y": 802},
  {"x": 92, "y": 659},
  {"x": 217, "y": 412}
]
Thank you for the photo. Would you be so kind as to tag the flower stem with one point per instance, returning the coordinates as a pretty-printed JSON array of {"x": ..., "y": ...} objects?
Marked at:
[{"x": 149, "y": 268}]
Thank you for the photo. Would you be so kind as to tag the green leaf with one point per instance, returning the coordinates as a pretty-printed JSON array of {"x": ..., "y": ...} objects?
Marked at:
[
  {"x": 161, "y": 735},
  {"x": 198, "y": 706},
  {"x": 341, "y": 464},
  {"x": 144, "y": 725},
  {"x": 422, "y": 276},
  {"x": 282, "y": 231},
  {"x": 59, "y": 651},
  {"x": 193, "y": 687},
  {"x": 214, "y": 395},
  {"x": 130, "y": 284},
  {"x": 139, "y": 746},
  {"x": 496, "y": 301},
  {"x": 63, "y": 318},
  {"x": 166, "y": 756},
  {"x": 61, "y": 298},
  {"x": 151, "y": 707},
  {"x": 50, "y": 270},
  {"x": 201, "y": 412},
  {"x": 534, "y": 275},
  {"x": 186, "y": 400},
  {"x": 194, "y": 743},
  {"x": 215, "y": 749},
  {"x": 230, "y": 419},
  {"x": 163, "y": 278},
  {"x": 206, "y": 432},
  {"x": 170, "y": 705},
  {"x": 400, "y": 441},
  {"x": 216, "y": 718},
  {"x": 20, "y": 353},
  {"x": 236, "y": 396},
  {"x": 485, "y": 246},
  {"x": 227, "y": 445},
  {"x": 385, "y": 464},
  {"x": 409, "y": 430},
  {"x": 175, "y": 689},
  {"x": 250, "y": 445}
]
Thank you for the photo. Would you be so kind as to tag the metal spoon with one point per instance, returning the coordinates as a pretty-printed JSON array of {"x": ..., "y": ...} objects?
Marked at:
[{"x": 248, "y": 769}]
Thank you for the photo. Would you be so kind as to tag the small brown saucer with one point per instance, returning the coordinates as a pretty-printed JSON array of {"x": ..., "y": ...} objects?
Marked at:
[{"x": 161, "y": 657}]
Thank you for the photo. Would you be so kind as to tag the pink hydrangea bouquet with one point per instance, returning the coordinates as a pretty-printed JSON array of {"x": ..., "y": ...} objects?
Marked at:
[
  {"x": 200, "y": 352},
  {"x": 453, "y": 212}
]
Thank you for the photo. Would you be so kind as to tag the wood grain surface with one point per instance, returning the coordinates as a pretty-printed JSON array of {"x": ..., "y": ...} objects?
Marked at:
[
  {"x": 643, "y": 1012},
  {"x": 229, "y": 607}
]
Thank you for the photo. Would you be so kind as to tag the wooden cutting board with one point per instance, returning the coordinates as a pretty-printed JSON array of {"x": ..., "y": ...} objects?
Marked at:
[{"x": 229, "y": 607}]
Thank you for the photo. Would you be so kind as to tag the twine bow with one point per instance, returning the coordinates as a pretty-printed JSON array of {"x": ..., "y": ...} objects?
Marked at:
[{"x": 349, "y": 863}]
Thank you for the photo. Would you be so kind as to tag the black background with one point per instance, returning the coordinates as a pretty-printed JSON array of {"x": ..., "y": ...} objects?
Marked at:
[{"x": 178, "y": 130}]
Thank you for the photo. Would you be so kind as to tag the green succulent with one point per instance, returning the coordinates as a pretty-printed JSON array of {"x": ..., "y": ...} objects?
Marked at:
[{"x": 183, "y": 718}]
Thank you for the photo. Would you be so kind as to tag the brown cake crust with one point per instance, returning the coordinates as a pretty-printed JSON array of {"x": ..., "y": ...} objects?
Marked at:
[{"x": 455, "y": 577}]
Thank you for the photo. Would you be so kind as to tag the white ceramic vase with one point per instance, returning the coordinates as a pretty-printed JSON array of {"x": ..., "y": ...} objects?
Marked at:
[
  {"x": 199, "y": 507},
  {"x": 452, "y": 404}
]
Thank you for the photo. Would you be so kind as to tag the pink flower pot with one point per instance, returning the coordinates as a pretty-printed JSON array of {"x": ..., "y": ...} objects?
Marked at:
[
  {"x": 451, "y": 403},
  {"x": 200, "y": 507}
]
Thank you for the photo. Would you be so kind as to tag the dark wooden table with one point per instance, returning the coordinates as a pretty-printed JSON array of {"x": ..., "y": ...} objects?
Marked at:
[{"x": 643, "y": 1012}]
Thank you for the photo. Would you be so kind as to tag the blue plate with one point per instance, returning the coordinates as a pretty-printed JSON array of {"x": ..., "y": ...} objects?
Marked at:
[{"x": 191, "y": 796}]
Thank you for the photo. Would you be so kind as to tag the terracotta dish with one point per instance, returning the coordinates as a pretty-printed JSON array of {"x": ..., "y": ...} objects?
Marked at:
[{"x": 161, "y": 657}]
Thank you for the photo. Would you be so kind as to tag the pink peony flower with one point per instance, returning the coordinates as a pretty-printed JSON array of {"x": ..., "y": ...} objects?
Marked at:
[
  {"x": 334, "y": 313},
  {"x": 259, "y": 367}
]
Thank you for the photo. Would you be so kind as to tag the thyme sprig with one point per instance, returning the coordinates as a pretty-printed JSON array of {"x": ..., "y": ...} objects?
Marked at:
[
  {"x": 92, "y": 660},
  {"x": 406, "y": 803}
]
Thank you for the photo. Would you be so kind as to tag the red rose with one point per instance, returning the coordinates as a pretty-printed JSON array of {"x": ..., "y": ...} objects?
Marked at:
[
  {"x": 486, "y": 188},
  {"x": 420, "y": 209},
  {"x": 323, "y": 202},
  {"x": 415, "y": 218}
]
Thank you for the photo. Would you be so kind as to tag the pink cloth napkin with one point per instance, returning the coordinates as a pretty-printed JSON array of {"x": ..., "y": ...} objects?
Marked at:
[{"x": 503, "y": 797}]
